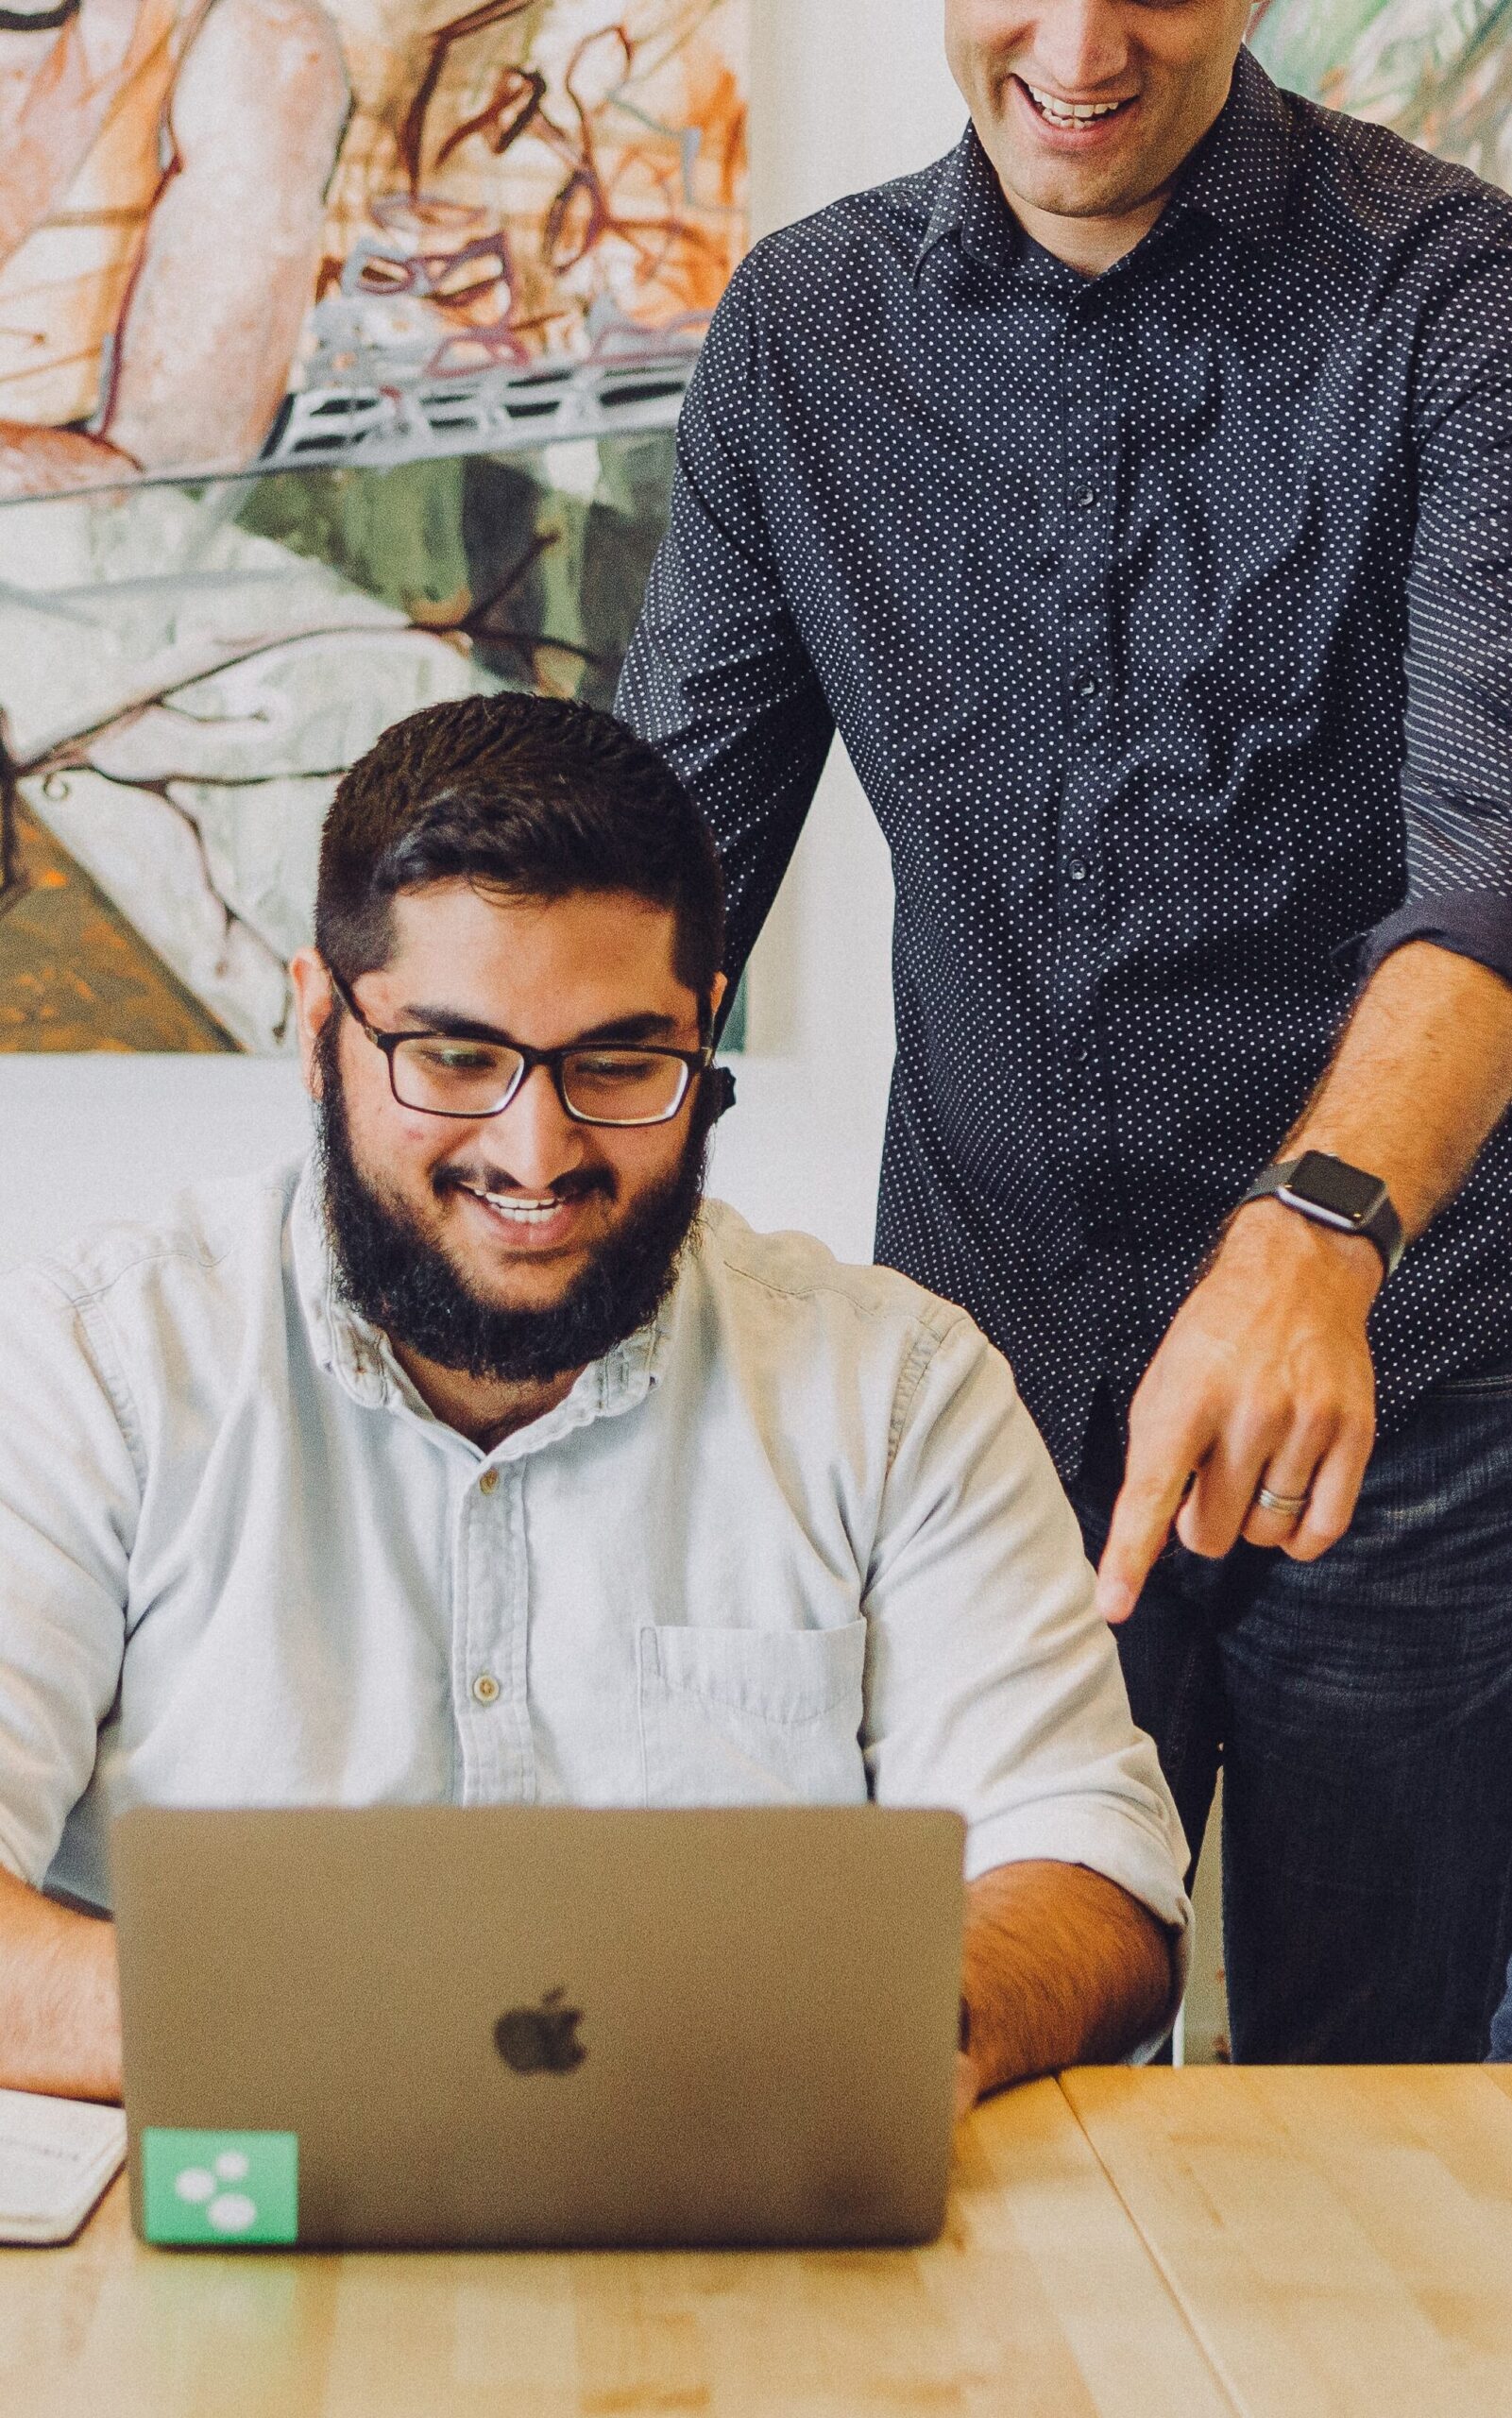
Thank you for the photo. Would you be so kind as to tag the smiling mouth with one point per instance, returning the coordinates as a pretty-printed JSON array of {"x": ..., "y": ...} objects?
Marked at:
[
  {"x": 1071, "y": 117},
  {"x": 519, "y": 1209}
]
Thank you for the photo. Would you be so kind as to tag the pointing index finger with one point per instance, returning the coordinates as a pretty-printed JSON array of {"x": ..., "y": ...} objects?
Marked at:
[{"x": 1147, "y": 1502}]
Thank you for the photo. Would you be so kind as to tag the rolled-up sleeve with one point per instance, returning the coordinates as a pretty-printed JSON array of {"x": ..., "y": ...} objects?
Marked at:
[
  {"x": 69, "y": 1499},
  {"x": 992, "y": 1685},
  {"x": 717, "y": 677},
  {"x": 1457, "y": 776}
]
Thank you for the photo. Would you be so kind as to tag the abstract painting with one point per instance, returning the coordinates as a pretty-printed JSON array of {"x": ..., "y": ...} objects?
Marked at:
[
  {"x": 1438, "y": 70},
  {"x": 186, "y": 672},
  {"x": 353, "y": 229},
  {"x": 377, "y": 413}
]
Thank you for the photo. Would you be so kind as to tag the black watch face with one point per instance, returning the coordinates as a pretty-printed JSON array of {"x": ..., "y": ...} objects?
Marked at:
[{"x": 1343, "y": 1191}]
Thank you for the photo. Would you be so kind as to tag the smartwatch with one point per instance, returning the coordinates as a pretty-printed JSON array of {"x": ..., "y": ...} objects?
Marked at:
[{"x": 1333, "y": 1193}]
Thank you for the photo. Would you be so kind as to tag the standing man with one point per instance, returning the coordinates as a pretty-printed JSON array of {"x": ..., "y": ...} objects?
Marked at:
[{"x": 1133, "y": 490}]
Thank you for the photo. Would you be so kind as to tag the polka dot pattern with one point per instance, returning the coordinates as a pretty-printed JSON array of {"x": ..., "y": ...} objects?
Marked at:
[{"x": 1167, "y": 617}]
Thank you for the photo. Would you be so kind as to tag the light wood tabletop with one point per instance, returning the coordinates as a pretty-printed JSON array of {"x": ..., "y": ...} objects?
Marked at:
[
  {"x": 1216, "y": 2243},
  {"x": 1339, "y": 2237},
  {"x": 1041, "y": 2299}
]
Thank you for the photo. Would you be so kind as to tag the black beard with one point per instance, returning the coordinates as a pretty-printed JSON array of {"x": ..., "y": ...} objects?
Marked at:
[{"x": 392, "y": 1274}]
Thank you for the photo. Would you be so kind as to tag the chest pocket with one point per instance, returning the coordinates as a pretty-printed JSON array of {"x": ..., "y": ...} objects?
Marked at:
[{"x": 743, "y": 1716}]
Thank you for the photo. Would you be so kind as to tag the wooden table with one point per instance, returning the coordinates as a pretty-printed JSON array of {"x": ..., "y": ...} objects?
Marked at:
[{"x": 1276, "y": 2242}]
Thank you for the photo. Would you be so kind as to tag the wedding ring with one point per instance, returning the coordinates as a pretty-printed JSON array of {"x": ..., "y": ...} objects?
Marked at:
[{"x": 1289, "y": 1505}]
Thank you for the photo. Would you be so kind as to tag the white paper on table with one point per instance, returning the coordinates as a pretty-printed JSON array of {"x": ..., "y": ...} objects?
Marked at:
[{"x": 57, "y": 2155}]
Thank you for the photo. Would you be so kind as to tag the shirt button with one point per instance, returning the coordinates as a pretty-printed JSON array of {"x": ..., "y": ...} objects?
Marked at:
[
  {"x": 1079, "y": 869},
  {"x": 488, "y": 1482},
  {"x": 1087, "y": 685},
  {"x": 1086, "y": 498},
  {"x": 1081, "y": 1055},
  {"x": 485, "y": 1687}
]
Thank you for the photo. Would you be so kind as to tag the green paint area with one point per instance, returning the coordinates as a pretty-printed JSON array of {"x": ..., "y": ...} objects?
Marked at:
[
  {"x": 732, "y": 1040},
  {"x": 220, "y": 2191},
  {"x": 1438, "y": 72},
  {"x": 543, "y": 583},
  {"x": 397, "y": 534}
]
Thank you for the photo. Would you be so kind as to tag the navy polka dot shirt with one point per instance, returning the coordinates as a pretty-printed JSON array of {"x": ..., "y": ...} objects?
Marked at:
[{"x": 1167, "y": 618}]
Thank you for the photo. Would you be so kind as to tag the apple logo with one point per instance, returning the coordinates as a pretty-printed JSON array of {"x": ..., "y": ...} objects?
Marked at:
[{"x": 541, "y": 2039}]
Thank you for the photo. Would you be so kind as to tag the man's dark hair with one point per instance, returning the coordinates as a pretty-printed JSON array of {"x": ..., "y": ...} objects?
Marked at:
[{"x": 530, "y": 796}]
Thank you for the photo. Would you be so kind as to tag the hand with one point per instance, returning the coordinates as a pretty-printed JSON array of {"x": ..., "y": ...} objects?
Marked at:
[{"x": 1263, "y": 1378}]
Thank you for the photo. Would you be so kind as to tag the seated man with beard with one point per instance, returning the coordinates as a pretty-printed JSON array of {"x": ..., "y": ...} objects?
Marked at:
[{"x": 480, "y": 1459}]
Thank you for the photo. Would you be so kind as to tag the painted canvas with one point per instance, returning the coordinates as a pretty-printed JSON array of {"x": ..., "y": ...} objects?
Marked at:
[
  {"x": 386, "y": 418},
  {"x": 187, "y": 671},
  {"x": 1438, "y": 70},
  {"x": 311, "y": 229}
]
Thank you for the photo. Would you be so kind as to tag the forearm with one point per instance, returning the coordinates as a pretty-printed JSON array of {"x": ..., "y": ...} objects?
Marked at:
[
  {"x": 1264, "y": 1378},
  {"x": 60, "y": 2005},
  {"x": 1060, "y": 1968},
  {"x": 1422, "y": 1076}
]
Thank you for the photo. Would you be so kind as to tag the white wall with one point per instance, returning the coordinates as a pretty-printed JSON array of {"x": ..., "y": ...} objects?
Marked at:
[{"x": 844, "y": 93}]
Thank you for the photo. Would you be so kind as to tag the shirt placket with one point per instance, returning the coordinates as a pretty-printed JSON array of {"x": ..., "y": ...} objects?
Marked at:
[
  {"x": 490, "y": 1639},
  {"x": 1091, "y": 472}
]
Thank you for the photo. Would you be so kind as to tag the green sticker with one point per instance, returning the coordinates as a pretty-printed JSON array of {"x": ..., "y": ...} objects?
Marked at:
[{"x": 222, "y": 2189}]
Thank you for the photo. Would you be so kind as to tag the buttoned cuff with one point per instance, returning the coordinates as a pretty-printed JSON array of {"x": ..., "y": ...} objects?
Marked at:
[{"x": 1470, "y": 923}]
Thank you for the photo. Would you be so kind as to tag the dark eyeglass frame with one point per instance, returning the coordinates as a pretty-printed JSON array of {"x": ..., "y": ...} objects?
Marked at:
[{"x": 694, "y": 1061}]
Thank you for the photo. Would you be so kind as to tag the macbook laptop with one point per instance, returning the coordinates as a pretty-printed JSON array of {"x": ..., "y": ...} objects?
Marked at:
[{"x": 423, "y": 2025}]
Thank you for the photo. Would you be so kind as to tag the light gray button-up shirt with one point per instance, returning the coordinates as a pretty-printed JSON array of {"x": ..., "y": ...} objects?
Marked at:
[{"x": 797, "y": 1542}]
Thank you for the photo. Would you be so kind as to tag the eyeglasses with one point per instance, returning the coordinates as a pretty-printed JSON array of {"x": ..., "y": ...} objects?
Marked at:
[{"x": 448, "y": 1074}]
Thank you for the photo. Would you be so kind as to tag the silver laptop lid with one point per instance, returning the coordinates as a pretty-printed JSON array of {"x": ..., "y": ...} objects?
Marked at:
[{"x": 424, "y": 2025}]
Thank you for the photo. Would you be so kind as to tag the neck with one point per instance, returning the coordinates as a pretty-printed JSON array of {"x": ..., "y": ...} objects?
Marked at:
[
  {"x": 1087, "y": 245},
  {"x": 485, "y": 1409}
]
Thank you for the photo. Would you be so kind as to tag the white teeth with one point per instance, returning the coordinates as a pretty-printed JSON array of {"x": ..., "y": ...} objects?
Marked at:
[
  {"x": 515, "y": 1205},
  {"x": 1070, "y": 112}
]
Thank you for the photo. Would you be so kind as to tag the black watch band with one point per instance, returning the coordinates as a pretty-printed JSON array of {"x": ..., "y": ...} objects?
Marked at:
[{"x": 1333, "y": 1193}]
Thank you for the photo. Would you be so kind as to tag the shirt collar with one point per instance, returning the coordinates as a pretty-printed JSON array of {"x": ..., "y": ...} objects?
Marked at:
[
  {"x": 360, "y": 1360},
  {"x": 1236, "y": 176},
  {"x": 969, "y": 204}
]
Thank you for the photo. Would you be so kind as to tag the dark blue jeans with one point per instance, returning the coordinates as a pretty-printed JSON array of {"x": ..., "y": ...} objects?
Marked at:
[
  {"x": 1501, "y": 2027},
  {"x": 1361, "y": 1707}
]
